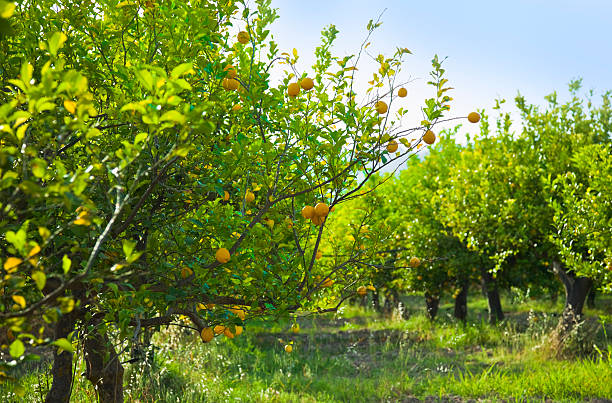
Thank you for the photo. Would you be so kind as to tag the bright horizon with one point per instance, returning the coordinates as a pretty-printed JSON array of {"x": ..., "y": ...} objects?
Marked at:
[{"x": 493, "y": 50}]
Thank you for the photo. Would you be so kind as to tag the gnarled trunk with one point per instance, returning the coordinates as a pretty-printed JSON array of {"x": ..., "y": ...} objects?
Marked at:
[
  {"x": 61, "y": 371},
  {"x": 104, "y": 370},
  {"x": 576, "y": 291},
  {"x": 461, "y": 303},
  {"x": 489, "y": 287}
]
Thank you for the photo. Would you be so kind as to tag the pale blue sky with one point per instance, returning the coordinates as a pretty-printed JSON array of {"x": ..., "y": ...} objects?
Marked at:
[{"x": 494, "y": 48}]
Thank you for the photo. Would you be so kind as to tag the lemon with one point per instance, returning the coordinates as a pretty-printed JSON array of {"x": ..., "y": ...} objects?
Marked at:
[
  {"x": 222, "y": 255},
  {"x": 429, "y": 137},
  {"x": 307, "y": 84},
  {"x": 207, "y": 334},
  {"x": 243, "y": 37},
  {"x": 293, "y": 89},
  {"x": 381, "y": 107},
  {"x": 321, "y": 209}
]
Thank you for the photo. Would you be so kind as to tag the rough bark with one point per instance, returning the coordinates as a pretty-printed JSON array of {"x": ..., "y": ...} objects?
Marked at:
[
  {"x": 103, "y": 368},
  {"x": 591, "y": 298},
  {"x": 461, "y": 303},
  {"x": 576, "y": 291},
  {"x": 432, "y": 302},
  {"x": 489, "y": 287},
  {"x": 62, "y": 363}
]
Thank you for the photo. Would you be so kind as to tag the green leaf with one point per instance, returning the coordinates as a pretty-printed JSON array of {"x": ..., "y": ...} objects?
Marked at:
[
  {"x": 64, "y": 345},
  {"x": 56, "y": 42},
  {"x": 18, "y": 239},
  {"x": 16, "y": 349},
  {"x": 66, "y": 263},
  {"x": 26, "y": 73},
  {"x": 128, "y": 247},
  {"x": 6, "y": 9},
  {"x": 145, "y": 78},
  {"x": 182, "y": 69},
  {"x": 173, "y": 116},
  {"x": 39, "y": 167},
  {"x": 40, "y": 279}
]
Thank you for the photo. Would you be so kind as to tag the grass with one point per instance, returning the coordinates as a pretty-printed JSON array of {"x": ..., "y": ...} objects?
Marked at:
[{"x": 357, "y": 355}]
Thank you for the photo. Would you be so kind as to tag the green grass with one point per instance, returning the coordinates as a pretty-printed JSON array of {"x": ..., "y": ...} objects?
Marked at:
[{"x": 360, "y": 356}]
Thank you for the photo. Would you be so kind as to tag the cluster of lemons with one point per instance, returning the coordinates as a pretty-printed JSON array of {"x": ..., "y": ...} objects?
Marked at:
[
  {"x": 316, "y": 214},
  {"x": 208, "y": 333},
  {"x": 305, "y": 84}
]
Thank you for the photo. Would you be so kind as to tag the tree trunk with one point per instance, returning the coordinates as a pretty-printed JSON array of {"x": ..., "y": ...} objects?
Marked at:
[
  {"x": 489, "y": 287},
  {"x": 461, "y": 303},
  {"x": 432, "y": 302},
  {"x": 591, "y": 298},
  {"x": 62, "y": 363},
  {"x": 104, "y": 370},
  {"x": 376, "y": 302},
  {"x": 576, "y": 291}
]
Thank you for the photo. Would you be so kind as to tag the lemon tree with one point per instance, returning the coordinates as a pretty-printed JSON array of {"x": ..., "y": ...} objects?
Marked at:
[{"x": 152, "y": 173}]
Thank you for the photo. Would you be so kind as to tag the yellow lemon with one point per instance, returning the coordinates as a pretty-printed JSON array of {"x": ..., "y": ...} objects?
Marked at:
[
  {"x": 321, "y": 209},
  {"x": 243, "y": 37},
  {"x": 222, "y": 255},
  {"x": 207, "y": 334},
  {"x": 293, "y": 90},
  {"x": 308, "y": 212},
  {"x": 381, "y": 107},
  {"x": 307, "y": 84},
  {"x": 429, "y": 137}
]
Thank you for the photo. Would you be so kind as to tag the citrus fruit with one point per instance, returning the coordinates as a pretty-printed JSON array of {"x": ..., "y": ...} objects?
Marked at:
[
  {"x": 381, "y": 107},
  {"x": 317, "y": 220},
  {"x": 288, "y": 348},
  {"x": 429, "y": 137},
  {"x": 415, "y": 262},
  {"x": 231, "y": 71},
  {"x": 308, "y": 212},
  {"x": 392, "y": 146},
  {"x": 319, "y": 255},
  {"x": 473, "y": 117},
  {"x": 228, "y": 333},
  {"x": 222, "y": 255},
  {"x": 219, "y": 329},
  {"x": 186, "y": 272},
  {"x": 249, "y": 197},
  {"x": 295, "y": 328},
  {"x": 207, "y": 334},
  {"x": 225, "y": 195},
  {"x": 307, "y": 84},
  {"x": 243, "y": 37},
  {"x": 402, "y": 92},
  {"x": 362, "y": 291},
  {"x": 321, "y": 209},
  {"x": 238, "y": 330},
  {"x": 327, "y": 283},
  {"x": 230, "y": 84},
  {"x": 293, "y": 90}
]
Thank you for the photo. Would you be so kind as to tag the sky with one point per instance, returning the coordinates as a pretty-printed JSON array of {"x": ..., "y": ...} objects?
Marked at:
[{"x": 494, "y": 49}]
